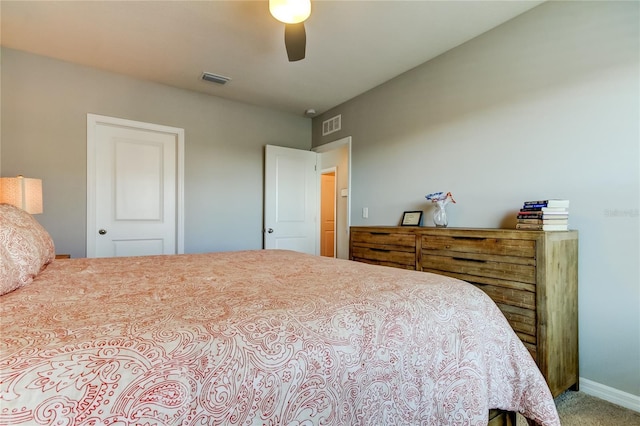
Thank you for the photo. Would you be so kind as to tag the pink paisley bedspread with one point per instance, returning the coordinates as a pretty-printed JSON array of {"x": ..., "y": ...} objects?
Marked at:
[{"x": 265, "y": 337}]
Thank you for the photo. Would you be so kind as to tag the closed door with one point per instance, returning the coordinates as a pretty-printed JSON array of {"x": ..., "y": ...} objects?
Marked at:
[
  {"x": 291, "y": 200},
  {"x": 134, "y": 181}
]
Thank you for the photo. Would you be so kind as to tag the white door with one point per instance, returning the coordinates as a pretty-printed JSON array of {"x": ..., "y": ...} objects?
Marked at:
[
  {"x": 134, "y": 188},
  {"x": 291, "y": 200}
]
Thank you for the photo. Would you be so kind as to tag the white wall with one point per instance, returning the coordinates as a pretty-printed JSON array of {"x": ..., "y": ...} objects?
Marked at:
[
  {"x": 546, "y": 105},
  {"x": 44, "y": 108}
]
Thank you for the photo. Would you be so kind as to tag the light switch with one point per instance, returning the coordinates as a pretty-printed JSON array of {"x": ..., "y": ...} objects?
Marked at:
[{"x": 365, "y": 212}]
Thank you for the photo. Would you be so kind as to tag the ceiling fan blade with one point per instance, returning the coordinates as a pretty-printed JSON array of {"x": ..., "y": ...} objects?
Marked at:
[{"x": 295, "y": 40}]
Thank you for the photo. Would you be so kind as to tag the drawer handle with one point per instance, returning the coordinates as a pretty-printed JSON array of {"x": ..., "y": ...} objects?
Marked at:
[
  {"x": 469, "y": 260},
  {"x": 379, "y": 233},
  {"x": 379, "y": 249},
  {"x": 469, "y": 238}
]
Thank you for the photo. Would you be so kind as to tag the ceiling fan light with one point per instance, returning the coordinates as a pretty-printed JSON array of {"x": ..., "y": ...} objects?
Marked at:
[{"x": 290, "y": 11}]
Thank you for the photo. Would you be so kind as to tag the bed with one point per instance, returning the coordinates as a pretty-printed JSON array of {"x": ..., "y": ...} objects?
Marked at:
[{"x": 257, "y": 337}]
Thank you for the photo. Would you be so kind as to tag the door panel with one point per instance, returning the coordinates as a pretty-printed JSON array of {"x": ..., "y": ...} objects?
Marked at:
[
  {"x": 291, "y": 184},
  {"x": 291, "y": 199},
  {"x": 138, "y": 180},
  {"x": 138, "y": 247}
]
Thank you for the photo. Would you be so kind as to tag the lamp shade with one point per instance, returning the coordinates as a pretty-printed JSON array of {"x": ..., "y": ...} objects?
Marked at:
[
  {"x": 22, "y": 192},
  {"x": 290, "y": 11}
]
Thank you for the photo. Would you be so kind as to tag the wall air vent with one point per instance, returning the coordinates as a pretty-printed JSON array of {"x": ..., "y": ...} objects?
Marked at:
[
  {"x": 332, "y": 125},
  {"x": 214, "y": 78}
]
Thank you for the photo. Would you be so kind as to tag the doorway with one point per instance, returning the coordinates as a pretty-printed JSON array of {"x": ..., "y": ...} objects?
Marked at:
[
  {"x": 328, "y": 212},
  {"x": 337, "y": 154}
]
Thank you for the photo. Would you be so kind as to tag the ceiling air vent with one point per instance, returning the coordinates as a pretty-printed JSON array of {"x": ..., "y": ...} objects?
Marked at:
[
  {"x": 214, "y": 78},
  {"x": 332, "y": 125}
]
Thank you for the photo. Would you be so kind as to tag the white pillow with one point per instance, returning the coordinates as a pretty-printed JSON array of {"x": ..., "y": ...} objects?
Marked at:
[{"x": 26, "y": 248}]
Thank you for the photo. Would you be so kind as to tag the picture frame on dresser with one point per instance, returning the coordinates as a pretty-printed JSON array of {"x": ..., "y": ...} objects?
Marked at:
[{"x": 412, "y": 218}]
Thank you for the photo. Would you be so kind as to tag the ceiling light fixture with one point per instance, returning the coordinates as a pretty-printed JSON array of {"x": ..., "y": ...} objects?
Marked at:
[{"x": 290, "y": 11}]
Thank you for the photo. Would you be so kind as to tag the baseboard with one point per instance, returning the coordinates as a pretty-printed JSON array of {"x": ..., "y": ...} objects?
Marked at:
[{"x": 612, "y": 395}]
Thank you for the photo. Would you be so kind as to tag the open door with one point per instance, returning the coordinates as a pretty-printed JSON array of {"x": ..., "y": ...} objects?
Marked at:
[
  {"x": 291, "y": 200},
  {"x": 292, "y": 196}
]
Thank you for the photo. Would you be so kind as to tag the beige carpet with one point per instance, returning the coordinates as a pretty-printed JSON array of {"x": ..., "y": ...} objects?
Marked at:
[{"x": 580, "y": 409}]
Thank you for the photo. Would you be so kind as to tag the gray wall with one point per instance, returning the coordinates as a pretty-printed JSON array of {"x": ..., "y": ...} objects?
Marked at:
[
  {"x": 44, "y": 108},
  {"x": 544, "y": 106}
]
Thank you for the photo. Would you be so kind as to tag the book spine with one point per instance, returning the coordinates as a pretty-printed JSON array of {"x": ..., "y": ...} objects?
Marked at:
[
  {"x": 547, "y": 203},
  {"x": 543, "y": 209},
  {"x": 534, "y": 204},
  {"x": 541, "y": 215},
  {"x": 530, "y": 202},
  {"x": 532, "y": 227},
  {"x": 529, "y": 226},
  {"x": 549, "y": 221}
]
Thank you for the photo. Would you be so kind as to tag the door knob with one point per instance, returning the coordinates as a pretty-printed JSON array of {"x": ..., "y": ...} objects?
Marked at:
[
  {"x": 270, "y": 230},
  {"x": 102, "y": 231}
]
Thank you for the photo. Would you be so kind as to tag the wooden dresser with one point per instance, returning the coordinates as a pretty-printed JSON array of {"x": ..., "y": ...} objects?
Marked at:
[{"x": 531, "y": 275}]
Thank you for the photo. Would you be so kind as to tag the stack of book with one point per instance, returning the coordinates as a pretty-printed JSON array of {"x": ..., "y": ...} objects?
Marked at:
[{"x": 544, "y": 215}]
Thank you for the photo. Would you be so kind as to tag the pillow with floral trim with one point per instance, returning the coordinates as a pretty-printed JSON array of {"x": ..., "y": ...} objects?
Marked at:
[
  {"x": 8, "y": 272},
  {"x": 26, "y": 248}
]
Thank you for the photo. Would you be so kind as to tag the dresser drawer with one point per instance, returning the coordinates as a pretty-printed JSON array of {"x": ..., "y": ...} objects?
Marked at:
[
  {"x": 516, "y": 300},
  {"x": 511, "y": 294},
  {"x": 480, "y": 245},
  {"x": 384, "y": 256},
  {"x": 389, "y": 240},
  {"x": 479, "y": 265},
  {"x": 394, "y": 249},
  {"x": 506, "y": 296},
  {"x": 522, "y": 320}
]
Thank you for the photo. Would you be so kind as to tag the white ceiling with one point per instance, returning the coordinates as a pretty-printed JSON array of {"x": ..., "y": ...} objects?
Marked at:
[{"x": 352, "y": 46}]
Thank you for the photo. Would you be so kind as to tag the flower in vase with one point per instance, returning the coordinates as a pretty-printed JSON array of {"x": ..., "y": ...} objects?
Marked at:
[{"x": 441, "y": 198}]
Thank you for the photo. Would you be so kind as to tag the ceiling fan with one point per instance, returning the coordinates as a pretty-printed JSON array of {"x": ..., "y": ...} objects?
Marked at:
[{"x": 293, "y": 13}]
